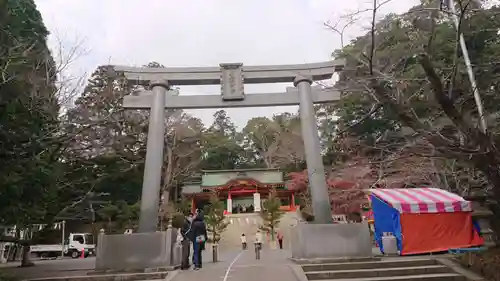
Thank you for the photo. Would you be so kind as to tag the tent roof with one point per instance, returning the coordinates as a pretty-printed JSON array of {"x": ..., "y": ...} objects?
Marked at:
[{"x": 423, "y": 200}]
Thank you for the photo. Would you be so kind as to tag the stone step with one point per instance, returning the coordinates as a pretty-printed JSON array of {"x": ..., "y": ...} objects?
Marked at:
[
  {"x": 108, "y": 277},
  {"x": 378, "y": 272},
  {"x": 249, "y": 224},
  {"x": 328, "y": 261},
  {"x": 422, "y": 277},
  {"x": 367, "y": 263}
]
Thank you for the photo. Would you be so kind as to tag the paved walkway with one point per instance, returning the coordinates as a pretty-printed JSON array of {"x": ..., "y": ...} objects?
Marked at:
[
  {"x": 242, "y": 266},
  {"x": 50, "y": 268}
]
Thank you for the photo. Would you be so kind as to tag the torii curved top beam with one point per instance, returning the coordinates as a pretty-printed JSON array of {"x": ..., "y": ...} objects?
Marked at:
[{"x": 212, "y": 75}]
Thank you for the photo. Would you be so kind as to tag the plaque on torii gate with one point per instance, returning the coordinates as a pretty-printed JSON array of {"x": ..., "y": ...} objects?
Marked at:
[{"x": 231, "y": 77}]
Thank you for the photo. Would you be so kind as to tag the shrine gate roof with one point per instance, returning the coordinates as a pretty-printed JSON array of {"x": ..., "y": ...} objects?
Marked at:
[
  {"x": 263, "y": 176},
  {"x": 239, "y": 170},
  {"x": 191, "y": 189},
  {"x": 217, "y": 179}
]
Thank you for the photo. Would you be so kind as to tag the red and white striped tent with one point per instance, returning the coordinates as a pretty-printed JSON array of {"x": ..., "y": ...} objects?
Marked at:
[
  {"x": 423, "y": 200},
  {"x": 424, "y": 220}
]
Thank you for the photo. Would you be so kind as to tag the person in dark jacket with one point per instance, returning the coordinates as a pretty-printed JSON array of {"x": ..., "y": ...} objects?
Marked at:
[
  {"x": 186, "y": 241},
  {"x": 199, "y": 236}
]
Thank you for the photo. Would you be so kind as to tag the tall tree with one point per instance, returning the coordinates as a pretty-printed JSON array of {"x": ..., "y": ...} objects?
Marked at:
[
  {"x": 271, "y": 214},
  {"x": 114, "y": 138},
  {"x": 29, "y": 107},
  {"x": 183, "y": 150},
  {"x": 412, "y": 66},
  {"x": 214, "y": 217},
  {"x": 221, "y": 146},
  {"x": 101, "y": 125},
  {"x": 277, "y": 142},
  {"x": 258, "y": 135},
  {"x": 108, "y": 138},
  {"x": 287, "y": 151}
]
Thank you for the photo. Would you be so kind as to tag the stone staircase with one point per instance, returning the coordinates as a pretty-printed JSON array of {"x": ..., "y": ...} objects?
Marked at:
[
  {"x": 373, "y": 269},
  {"x": 249, "y": 224},
  {"x": 238, "y": 224}
]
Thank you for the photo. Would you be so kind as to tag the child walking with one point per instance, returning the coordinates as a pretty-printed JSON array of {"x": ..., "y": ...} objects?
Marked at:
[{"x": 243, "y": 241}]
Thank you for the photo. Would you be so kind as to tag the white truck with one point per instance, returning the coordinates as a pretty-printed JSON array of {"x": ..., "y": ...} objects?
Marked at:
[{"x": 73, "y": 247}]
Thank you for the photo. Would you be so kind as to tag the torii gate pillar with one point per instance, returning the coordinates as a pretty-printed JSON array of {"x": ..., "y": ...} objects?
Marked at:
[
  {"x": 151, "y": 184},
  {"x": 315, "y": 169}
]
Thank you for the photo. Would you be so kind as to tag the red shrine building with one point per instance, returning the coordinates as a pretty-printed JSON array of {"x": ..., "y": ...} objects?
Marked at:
[{"x": 243, "y": 191}]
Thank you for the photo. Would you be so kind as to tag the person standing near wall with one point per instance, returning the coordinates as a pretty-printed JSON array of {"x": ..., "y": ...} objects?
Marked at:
[
  {"x": 186, "y": 233},
  {"x": 199, "y": 229}
]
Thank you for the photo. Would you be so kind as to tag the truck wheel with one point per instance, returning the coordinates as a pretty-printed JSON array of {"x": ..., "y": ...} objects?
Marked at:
[{"x": 75, "y": 254}]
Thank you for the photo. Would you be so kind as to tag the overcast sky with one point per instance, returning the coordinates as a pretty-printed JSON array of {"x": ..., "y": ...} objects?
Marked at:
[{"x": 202, "y": 33}]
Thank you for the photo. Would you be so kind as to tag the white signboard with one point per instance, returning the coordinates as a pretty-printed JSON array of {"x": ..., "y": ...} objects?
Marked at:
[{"x": 256, "y": 202}]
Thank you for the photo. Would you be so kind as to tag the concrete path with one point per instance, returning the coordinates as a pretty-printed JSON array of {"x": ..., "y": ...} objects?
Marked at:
[
  {"x": 50, "y": 268},
  {"x": 242, "y": 266}
]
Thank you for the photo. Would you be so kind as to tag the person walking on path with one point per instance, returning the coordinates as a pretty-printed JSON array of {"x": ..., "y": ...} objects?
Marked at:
[
  {"x": 258, "y": 238},
  {"x": 243, "y": 241},
  {"x": 186, "y": 233},
  {"x": 199, "y": 237},
  {"x": 280, "y": 239}
]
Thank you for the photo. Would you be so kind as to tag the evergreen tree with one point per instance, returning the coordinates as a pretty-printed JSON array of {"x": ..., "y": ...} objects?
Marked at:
[
  {"x": 214, "y": 217},
  {"x": 221, "y": 148},
  {"x": 271, "y": 213},
  {"x": 29, "y": 119}
]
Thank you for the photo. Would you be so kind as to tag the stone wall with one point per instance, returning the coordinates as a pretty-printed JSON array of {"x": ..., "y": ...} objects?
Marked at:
[
  {"x": 137, "y": 250},
  {"x": 483, "y": 215},
  {"x": 331, "y": 240}
]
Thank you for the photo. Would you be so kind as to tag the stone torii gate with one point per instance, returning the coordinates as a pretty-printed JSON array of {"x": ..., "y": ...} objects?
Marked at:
[
  {"x": 231, "y": 77},
  {"x": 149, "y": 248}
]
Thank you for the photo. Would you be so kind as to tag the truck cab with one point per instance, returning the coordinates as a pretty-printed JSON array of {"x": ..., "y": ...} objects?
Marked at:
[{"x": 78, "y": 242}]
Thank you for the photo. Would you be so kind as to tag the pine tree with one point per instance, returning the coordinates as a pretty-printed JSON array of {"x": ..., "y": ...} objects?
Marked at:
[
  {"x": 214, "y": 218},
  {"x": 271, "y": 213}
]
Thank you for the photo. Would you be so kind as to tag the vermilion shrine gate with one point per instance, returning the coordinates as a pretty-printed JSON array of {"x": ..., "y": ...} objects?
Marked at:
[{"x": 241, "y": 190}]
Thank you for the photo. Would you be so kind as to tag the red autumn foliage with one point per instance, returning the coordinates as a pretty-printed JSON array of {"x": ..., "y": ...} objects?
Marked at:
[
  {"x": 297, "y": 181},
  {"x": 346, "y": 196}
]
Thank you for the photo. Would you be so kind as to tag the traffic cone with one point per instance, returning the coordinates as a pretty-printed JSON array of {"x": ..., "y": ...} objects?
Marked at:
[{"x": 82, "y": 256}]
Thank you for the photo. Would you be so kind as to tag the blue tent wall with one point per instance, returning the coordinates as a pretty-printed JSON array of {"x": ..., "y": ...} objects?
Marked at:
[{"x": 386, "y": 219}]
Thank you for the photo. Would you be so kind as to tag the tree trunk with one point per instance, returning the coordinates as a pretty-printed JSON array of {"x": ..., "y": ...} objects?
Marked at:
[
  {"x": 175, "y": 190},
  {"x": 26, "y": 262},
  {"x": 268, "y": 162},
  {"x": 108, "y": 230}
]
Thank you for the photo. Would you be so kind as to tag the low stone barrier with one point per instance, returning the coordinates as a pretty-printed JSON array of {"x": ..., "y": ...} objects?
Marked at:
[
  {"x": 137, "y": 251},
  {"x": 311, "y": 241}
]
